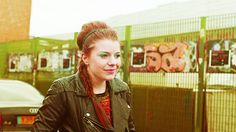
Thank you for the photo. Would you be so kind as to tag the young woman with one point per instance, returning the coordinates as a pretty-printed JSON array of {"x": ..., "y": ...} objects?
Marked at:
[{"x": 92, "y": 100}]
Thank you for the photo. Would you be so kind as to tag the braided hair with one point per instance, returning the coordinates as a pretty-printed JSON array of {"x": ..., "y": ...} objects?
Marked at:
[{"x": 88, "y": 36}]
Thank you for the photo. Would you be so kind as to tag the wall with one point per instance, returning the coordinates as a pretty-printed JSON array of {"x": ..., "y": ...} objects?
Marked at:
[{"x": 15, "y": 19}]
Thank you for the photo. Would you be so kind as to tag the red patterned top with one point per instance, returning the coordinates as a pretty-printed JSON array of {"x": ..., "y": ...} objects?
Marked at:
[{"x": 105, "y": 101}]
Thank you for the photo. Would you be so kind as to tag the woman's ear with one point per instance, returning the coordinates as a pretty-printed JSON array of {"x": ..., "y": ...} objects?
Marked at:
[{"x": 84, "y": 58}]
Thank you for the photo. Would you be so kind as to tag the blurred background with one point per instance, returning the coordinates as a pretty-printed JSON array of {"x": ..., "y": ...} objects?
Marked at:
[{"x": 178, "y": 57}]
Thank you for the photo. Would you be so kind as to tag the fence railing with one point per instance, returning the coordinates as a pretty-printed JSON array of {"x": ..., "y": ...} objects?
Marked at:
[{"x": 218, "y": 102}]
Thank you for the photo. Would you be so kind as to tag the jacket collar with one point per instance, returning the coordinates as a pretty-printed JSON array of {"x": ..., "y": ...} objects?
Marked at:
[
  {"x": 80, "y": 90},
  {"x": 118, "y": 113},
  {"x": 115, "y": 86}
]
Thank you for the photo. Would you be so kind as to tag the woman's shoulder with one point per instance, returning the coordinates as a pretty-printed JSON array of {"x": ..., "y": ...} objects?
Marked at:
[
  {"x": 63, "y": 84},
  {"x": 66, "y": 80},
  {"x": 119, "y": 85}
]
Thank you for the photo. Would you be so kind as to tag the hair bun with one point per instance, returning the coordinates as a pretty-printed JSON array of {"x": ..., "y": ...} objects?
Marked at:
[{"x": 87, "y": 29}]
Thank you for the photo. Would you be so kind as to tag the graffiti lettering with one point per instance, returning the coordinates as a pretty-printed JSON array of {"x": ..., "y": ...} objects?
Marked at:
[
  {"x": 171, "y": 57},
  {"x": 152, "y": 58}
]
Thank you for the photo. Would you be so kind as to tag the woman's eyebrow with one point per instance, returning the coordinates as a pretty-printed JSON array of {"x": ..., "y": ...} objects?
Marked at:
[
  {"x": 104, "y": 52},
  {"x": 109, "y": 52},
  {"x": 117, "y": 52}
]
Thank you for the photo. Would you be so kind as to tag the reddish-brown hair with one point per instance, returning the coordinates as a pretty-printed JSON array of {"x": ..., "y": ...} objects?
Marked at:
[{"x": 88, "y": 36}]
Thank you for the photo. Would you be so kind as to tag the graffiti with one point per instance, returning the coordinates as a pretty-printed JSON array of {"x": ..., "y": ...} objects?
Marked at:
[
  {"x": 153, "y": 59},
  {"x": 168, "y": 57},
  {"x": 176, "y": 57}
]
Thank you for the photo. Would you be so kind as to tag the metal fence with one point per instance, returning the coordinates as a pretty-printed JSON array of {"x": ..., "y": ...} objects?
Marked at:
[{"x": 169, "y": 99}]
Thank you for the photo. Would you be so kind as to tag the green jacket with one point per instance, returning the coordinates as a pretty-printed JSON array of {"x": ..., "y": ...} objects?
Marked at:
[{"x": 67, "y": 108}]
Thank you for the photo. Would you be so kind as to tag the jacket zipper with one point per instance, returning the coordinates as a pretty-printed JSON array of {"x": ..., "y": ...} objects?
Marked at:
[{"x": 91, "y": 124}]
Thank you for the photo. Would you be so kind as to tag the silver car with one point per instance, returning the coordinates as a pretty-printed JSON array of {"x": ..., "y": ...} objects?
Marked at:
[{"x": 19, "y": 104}]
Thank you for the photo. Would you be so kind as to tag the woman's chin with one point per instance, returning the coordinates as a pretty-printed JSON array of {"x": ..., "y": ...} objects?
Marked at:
[{"x": 110, "y": 77}]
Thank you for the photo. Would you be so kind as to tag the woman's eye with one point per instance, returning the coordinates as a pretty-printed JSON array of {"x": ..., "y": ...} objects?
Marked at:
[
  {"x": 103, "y": 55},
  {"x": 117, "y": 56}
]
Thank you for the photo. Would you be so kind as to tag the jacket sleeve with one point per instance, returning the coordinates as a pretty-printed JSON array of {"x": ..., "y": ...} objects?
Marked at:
[
  {"x": 130, "y": 121},
  {"x": 49, "y": 116}
]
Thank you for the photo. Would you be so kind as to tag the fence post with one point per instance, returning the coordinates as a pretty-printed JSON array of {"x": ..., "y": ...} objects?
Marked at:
[
  {"x": 76, "y": 59},
  {"x": 34, "y": 45},
  {"x": 200, "y": 94},
  {"x": 126, "y": 75}
]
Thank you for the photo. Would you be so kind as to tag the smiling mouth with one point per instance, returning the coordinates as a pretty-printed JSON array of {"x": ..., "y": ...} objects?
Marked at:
[{"x": 110, "y": 71}]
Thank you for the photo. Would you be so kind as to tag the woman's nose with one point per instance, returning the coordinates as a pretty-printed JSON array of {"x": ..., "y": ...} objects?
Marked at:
[{"x": 112, "y": 61}]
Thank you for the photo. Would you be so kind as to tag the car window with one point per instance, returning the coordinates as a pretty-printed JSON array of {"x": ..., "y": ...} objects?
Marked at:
[{"x": 11, "y": 90}]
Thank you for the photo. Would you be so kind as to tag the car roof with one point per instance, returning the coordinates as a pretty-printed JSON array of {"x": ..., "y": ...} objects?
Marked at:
[{"x": 13, "y": 90}]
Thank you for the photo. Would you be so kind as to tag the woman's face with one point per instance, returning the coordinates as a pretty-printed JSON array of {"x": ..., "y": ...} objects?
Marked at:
[{"x": 104, "y": 60}]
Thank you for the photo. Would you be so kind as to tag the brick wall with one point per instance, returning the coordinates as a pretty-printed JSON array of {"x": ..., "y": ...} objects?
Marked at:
[{"x": 14, "y": 19}]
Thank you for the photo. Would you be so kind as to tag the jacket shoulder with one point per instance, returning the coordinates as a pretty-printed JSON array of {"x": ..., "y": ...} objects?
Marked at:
[
  {"x": 63, "y": 84},
  {"x": 119, "y": 85}
]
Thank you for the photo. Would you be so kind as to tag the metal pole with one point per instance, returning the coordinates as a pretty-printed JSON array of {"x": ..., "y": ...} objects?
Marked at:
[
  {"x": 200, "y": 98},
  {"x": 126, "y": 60},
  {"x": 34, "y": 44},
  {"x": 76, "y": 59}
]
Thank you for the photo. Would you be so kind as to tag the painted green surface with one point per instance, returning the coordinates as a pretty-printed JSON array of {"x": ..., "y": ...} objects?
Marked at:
[
  {"x": 127, "y": 48},
  {"x": 6, "y": 48},
  {"x": 32, "y": 46}
]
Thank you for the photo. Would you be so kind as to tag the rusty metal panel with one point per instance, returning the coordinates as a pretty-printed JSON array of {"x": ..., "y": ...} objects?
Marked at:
[{"x": 163, "y": 109}]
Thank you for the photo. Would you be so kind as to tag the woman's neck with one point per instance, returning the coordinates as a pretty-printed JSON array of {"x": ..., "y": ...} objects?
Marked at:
[{"x": 99, "y": 87}]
